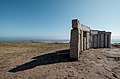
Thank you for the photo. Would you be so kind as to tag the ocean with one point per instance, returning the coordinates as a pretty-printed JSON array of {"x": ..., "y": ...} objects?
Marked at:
[
  {"x": 28, "y": 39},
  {"x": 31, "y": 39},
  {"x": 115, "y": 41}
]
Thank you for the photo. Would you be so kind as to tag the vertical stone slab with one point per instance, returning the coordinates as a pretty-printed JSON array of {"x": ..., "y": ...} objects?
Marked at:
[
  {"x": 84, "y": 43},
  {"x": 81, "y": 40},
  {"x": 101, "y": 39},
  {"x": 95, "y": 41},
  {"x": 75, "y": 24},
  {"x": 88, "y": 40},
  {"x": 91, "y": 41},
  {"x": 108, "y": 39},
  {"x": 94, "y": 38},
  {"x": 75, "y": 40}
]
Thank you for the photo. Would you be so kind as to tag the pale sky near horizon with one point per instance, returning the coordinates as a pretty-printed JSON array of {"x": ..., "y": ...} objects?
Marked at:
[{"x": 52, "y": 18}]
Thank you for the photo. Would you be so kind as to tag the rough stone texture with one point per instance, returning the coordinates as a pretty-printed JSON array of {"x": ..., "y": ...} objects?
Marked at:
[
  {"x": 102, "y": 39},
  {"x": 84, "y": 43},
  {"x": 91, "y": 41},
  {"x": 81, "y": 40},
  {"x": 75, "y": 40},
  {"x": 99, "y": 38},
  {"x": 94, "y": 32},
  {"x": 75, "y": 24},
  {"x": 88, "y": 40},
  {"x": 95, "y": 42},
  {"x": 108, "y": 39},
  {"x": 75, "y": 44},
  {"x": 85, "y": 28}
]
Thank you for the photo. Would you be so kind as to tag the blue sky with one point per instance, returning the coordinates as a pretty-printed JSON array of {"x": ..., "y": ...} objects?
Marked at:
[{"x": 52, "y": 18}]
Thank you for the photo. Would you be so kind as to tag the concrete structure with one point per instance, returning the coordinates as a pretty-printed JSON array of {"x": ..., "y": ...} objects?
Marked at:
[
  {"x": 75, "y": 40},
  {"x": 100, "y": 39},
  {"x": 82, "y": 38}
]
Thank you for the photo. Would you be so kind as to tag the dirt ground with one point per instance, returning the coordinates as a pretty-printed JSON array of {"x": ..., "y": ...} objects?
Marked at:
[{"x": 31, "y": 60}]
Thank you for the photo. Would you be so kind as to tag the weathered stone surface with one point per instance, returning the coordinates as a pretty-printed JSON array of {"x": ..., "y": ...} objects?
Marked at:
[
  {"x": 93, "y": 32},
  {"x": 102, "y": 42},
  {"x": 75, "y": 24},
  {"x": 75, "y": 44},
  {"x": 101, "y": 39},
  {"x": 85, "y": 28},
  {"x": 88, "y": 40},
  {"x": 95, "y": 41},
  {"x": 84, "y": 43},
  {"x": 83, "y": 38},
  {"x": 108, "y": 39},
  {"x": 91, "y": 41}
]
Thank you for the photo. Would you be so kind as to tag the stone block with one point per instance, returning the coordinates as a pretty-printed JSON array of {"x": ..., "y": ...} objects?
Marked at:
[
  {"x": 95, "y": 41},
  {"x": 88, "y": 40},
  {"x": 85, "y": 28},
  {"x": 75, "y": 44},
  {"x": 84, "y": 43},
  {"x": 81, "y": 40},
  {"x": 108, "y": 39},
  {"x": 102, "y": 40},
  {"x": 91, "y": 41},
  {"x": 93, "y": 32},
  {"x": 75, "y": 24}
]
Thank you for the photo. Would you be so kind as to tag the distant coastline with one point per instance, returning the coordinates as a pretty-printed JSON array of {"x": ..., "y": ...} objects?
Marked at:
[
  {"x": 115, "y": 41},
  {"x": 28, "y": 39}
]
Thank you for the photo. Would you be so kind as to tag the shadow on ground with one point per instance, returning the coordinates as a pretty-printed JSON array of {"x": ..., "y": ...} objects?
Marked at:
[{"x": 50, "y": 58}]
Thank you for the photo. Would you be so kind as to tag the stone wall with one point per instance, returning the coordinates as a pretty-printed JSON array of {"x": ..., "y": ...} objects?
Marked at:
[
  {"x": 75, "y": 40},
  {"x": 101, "y": 39},
  {"x": 80, "y": 36},
  {"x": 83, "y": 38}
]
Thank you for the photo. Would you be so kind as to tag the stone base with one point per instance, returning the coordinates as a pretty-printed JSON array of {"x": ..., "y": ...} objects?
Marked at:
[{"x": 75, "y": 44}]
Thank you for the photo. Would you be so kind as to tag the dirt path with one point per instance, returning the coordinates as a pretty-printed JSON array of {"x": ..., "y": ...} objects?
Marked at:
[{"x": 51, "y": 61}]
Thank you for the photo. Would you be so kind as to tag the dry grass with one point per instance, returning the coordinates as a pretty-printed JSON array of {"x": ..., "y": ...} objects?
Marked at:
[
  {"x": 32, "y": 60},
  {"x": 16, "y": 49},
  {"x": 14, "y": 54}
]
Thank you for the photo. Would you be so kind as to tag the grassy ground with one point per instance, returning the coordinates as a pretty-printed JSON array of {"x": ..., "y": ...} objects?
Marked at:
[
  {"x": 33, "y": 60},
  {"x": 17, "y": 53},
  {"x": 17, "y": 49}
]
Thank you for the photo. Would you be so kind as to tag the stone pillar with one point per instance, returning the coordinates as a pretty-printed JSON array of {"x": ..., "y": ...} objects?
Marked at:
[
  {"x": 91, "y": 39},
  {"x": 84, "y": 43},
  {"x": 108, "y": 39},
  {"x": 81, "y": 40},
  {"x": 98, "y": 40},
  {"x": 95, "y": 41},
  {"x": 94, "y": 38},
  {"x": 88, "y": 40},
  {"x": 75, "y": 40},
  {"x": 102, "y": 39}
]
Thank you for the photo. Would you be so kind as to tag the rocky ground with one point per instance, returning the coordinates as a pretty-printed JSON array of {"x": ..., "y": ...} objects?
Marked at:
[{"x": 31, "y": 60}]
